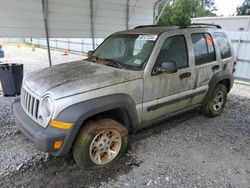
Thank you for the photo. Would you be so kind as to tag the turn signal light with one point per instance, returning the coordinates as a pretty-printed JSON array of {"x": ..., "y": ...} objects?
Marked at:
[
  {"x": 58, "y": 144},
  {"x": 61, "y": 125}
]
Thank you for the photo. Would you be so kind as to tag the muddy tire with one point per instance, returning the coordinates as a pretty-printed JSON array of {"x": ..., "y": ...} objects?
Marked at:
[
  {"x": 216, "y": 103},
  {"x": 100, "y": 143}
]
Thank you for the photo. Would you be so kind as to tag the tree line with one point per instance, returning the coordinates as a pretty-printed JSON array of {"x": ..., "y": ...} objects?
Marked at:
[{"x": 180, "y": 12}]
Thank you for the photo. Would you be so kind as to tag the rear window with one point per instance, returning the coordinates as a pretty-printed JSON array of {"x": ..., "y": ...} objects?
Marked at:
[
  {"x": 203, "y": 46},
  {"x": 224, "y": 46}
]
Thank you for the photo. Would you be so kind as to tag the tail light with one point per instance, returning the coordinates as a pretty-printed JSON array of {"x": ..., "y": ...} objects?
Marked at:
[{"x": 234, "y": 66}]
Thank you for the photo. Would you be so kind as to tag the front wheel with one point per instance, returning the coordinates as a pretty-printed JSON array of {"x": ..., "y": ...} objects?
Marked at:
[
  {"x": 99, "y": 143},
  {"x": 216, "y": 103}
]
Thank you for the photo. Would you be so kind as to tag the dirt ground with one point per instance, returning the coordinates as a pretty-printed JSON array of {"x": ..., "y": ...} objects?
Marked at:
[{"x": 186, "y": 151}]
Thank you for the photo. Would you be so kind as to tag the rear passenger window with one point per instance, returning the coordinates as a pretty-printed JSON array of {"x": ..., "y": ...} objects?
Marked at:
[
  {"x": 203, "y": 45},
  {"x": 223, "y": 43}
]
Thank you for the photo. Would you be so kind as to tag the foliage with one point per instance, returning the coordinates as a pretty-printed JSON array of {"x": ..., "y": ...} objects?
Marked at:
[
  {"x": 244, "y": 9},
  {"x": 180, "y": 12},
  {"x": 207, "y": 5}
]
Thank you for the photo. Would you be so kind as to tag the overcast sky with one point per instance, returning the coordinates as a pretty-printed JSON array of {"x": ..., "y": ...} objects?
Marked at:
[{"x": 227, "y": 7}]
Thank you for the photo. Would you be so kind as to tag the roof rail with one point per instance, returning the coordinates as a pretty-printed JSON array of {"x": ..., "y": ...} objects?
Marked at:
[
  {"x": 143, "y": 26},
  {"x": 203, "y": 25}
]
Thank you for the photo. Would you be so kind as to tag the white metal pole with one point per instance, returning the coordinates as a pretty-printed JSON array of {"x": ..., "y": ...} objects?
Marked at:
[{"x": 45, "y": 19}]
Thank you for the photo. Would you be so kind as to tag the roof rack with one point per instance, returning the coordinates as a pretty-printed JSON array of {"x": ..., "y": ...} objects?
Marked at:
[
  {"x": 203, "y": 25},
  {"x": 182, "y": 27},
  {"x": 144, "y": 26}
]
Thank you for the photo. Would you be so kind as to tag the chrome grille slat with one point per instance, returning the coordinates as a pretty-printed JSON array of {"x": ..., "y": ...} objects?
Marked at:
[
  {"x": 30, "y": 104},
  {"x": 24, "y": 97},
  {"x": 26, "y": 100},
  {"x": 34, "y": 114}
]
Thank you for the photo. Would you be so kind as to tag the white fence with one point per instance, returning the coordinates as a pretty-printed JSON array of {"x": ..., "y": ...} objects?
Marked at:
[
  {"x": 74, "y": 44},
  {"x": 241, "y": 45}
]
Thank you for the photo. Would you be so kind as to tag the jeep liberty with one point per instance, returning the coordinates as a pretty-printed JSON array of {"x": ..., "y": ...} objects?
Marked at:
[{"x": 134, "y": 79}]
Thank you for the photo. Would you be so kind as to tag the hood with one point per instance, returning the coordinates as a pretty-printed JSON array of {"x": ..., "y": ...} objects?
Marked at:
[{"x": 76, "y": 77}]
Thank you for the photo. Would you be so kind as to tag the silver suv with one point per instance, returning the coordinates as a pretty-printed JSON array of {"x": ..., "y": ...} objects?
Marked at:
[{"x": 134, "y": 79}]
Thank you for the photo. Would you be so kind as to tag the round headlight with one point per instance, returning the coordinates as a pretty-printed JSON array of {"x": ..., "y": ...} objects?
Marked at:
[{"x": 47, "y": 107}]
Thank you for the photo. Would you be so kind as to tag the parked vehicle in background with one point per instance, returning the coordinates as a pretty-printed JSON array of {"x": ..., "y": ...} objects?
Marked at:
[
  {"x": 133, "y": 79},
  {"x": 1, "y": 49}
]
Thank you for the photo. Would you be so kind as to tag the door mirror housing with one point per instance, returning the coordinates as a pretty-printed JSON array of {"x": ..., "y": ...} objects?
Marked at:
[
  {"x": 90, "y": 53},
  {"x": 167, "y": 68}
]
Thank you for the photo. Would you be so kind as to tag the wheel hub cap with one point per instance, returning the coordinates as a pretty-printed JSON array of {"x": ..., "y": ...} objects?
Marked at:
[
  {"x": 218, "y": 101},
  {"x": 105, "y": 146}
]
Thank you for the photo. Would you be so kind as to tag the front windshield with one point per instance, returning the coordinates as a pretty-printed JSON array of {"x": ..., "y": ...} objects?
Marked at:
[{"x": 131, "y": 51}]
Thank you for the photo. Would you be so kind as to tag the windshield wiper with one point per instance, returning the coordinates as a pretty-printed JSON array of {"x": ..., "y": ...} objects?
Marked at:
[
  {"x": 112, "y": 61},
  {"x": 108, "y": 62}
]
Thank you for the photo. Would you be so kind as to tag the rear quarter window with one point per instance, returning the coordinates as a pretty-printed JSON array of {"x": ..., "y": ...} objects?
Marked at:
[{"x": 224, "y": 46}]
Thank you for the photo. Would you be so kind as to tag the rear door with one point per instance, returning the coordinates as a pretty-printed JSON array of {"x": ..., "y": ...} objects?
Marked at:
[{"x": 206, "y": 62}]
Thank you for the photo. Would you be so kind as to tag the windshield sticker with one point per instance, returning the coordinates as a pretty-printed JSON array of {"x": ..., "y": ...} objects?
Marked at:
[
  {"x": 137, "y": 62},
  {"x": 147, "y": 37}
]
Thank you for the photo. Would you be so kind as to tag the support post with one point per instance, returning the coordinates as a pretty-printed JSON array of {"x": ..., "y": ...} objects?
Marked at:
[
  {"x": 127, "y": 14},
  {"x": 45, "y": 19},
  {"x": 92, "y": 23},
  {"x": 162, "y": 11},
  {"x": 132, "y": 12},
  {"x": 154, "y": 13}
]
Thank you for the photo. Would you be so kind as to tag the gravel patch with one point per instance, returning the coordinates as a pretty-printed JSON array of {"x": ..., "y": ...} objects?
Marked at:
[
  {"x": 38, "y": 59},
  {"x": 15, "y": 150},
  {"x": 186, "y": 151},
  {"x": 195, "y": 151},
  {"x": 35, "y": 60}
]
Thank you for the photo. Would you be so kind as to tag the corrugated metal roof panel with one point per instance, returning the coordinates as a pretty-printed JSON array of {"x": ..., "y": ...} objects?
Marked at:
[
  {"x": 71, "y": 18},
  {"x": 21, "y": 18}
]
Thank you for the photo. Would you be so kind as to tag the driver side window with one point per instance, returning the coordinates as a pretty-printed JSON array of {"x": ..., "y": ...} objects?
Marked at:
[{"x": 174, "y": 49}]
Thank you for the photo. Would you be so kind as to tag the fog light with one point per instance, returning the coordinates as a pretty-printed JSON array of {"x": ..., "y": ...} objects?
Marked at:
[{"x": 58, "y": 144}]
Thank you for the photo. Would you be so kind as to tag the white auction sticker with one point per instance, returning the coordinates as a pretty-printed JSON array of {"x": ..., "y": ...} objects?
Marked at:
[
  {"x": 147, "y": 37},
  {"x": 137, "y": 62}
]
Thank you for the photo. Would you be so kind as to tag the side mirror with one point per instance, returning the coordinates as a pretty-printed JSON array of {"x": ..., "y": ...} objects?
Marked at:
[
  {"x": 167, "y": 68},
  {"x": 90, "y": 53}
]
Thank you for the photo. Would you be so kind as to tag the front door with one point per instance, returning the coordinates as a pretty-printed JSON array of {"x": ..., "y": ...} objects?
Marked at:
[{"x": 166, "y": 93}]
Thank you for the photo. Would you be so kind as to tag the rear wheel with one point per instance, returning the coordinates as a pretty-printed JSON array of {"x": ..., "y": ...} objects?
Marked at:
[
  {"x": 100, "y": 143},
  {"x": 216, "y": 103}
]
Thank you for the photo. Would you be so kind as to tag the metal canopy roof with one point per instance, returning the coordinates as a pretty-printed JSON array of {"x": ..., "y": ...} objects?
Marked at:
[{"x": 72, "y": 19}]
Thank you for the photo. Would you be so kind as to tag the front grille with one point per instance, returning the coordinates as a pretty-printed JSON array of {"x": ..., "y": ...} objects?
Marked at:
[{"x": 30, "y": 104}]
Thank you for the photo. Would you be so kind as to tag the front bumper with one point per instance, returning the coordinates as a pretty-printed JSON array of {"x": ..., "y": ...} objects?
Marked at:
[{"x": 43, "y": 138}]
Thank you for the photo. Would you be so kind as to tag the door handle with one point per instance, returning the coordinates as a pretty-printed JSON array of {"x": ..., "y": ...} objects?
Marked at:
[
  {"x": 185, "y": 75},
  {"x": 215, "y": 67}
]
